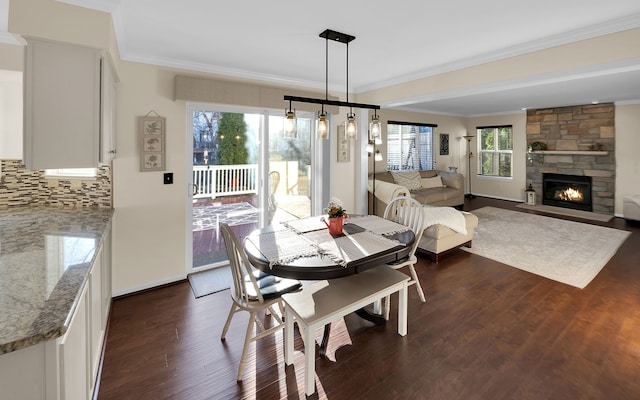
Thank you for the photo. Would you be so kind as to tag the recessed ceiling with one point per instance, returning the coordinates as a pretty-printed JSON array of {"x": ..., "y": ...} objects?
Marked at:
[{"x": 395, "y": 42}]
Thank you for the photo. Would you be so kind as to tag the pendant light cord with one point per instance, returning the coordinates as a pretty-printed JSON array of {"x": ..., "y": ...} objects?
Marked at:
[
  {"x": 326, "y": 70},
  {"x": 348, "y": 75}
]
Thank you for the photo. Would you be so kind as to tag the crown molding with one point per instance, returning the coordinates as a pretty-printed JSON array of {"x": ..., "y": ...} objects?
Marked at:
[
  {"x": 593, "y": 31},
  {"x": 108, "y": 6}
]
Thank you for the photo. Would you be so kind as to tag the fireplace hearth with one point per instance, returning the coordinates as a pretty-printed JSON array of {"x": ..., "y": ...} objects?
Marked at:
[{"x": 569, "y": 191}]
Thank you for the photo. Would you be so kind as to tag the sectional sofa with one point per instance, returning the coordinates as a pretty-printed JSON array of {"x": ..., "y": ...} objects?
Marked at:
[{"x": 431, "y": 188}]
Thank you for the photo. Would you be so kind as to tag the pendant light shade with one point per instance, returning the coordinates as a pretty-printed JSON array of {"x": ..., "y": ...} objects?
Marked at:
[
  {"x": 290, "y": 122},
  {"x": 322, "y": 126},
  {"x": 351, "y": 127},
  {"x": 375, "y": 129}
]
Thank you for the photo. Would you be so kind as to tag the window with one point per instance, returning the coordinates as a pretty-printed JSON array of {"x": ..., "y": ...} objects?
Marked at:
[
  {"x": 78, "y": 173},
  {"x": 496, "y": 150},
  {"x": 410, "y": 146}
]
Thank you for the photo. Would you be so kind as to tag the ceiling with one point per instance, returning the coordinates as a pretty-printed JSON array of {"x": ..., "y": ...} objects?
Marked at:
[{"x": 277, "y": 41}]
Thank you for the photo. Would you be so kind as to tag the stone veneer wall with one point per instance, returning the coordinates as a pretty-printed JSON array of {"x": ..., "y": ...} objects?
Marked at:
[
  {"x": 20, "y": 187},
  {"x": 570, "y": 129}
]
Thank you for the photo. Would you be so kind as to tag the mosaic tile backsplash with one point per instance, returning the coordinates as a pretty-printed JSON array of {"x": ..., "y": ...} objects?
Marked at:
[{"x": 21, "y": 187}]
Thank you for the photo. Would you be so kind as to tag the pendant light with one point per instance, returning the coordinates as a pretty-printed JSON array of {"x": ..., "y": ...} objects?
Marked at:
[
  {"x": 322, "y": 123},
  {"x": 350, "y": 126},
  {"x": 290, "y": 121},
  {"x": 375, "y": 128}
]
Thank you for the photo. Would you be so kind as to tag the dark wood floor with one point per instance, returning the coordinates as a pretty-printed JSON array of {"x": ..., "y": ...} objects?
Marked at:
[{"x": 487, "y": 331}]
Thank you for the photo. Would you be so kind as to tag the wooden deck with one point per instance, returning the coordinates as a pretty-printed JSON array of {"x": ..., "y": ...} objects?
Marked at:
[{"x": 208, "y": 247}]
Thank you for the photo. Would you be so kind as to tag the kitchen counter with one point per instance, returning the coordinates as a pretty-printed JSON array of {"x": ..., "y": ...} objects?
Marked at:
[{"x": 45, "y": 255}]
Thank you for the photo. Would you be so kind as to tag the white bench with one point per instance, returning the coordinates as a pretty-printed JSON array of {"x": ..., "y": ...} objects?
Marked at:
[{"x": 327, "y": 301}]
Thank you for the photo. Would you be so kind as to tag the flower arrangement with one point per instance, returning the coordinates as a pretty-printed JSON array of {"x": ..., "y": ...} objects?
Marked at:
[{"x": 334, "y": 208}]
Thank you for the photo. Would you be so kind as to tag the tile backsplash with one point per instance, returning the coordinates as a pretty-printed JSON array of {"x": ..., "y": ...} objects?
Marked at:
[{"x": 20, "y": 187}]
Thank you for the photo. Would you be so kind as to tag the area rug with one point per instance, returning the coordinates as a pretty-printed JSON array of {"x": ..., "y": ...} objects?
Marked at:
[
  {"x": 565, "y": 251},
  {"x": 208, "y": 217},
  {"x": 566, "y": 211},
  {"x": 210, "y": 281}
]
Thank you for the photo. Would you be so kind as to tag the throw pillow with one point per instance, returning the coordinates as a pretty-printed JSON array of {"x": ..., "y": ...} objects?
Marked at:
[
  {"x": 427, "y": 183},
  {"x": 408, "y": 179}
]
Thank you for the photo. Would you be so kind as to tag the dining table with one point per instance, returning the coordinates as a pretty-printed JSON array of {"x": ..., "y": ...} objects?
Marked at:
[{"x": 304, "y": 249}]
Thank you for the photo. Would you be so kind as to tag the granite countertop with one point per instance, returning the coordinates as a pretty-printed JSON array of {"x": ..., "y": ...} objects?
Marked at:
[{"x": 45, "y": 255}]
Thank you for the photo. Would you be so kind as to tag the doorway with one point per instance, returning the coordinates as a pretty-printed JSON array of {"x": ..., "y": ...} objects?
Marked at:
[{"x": 245, "y": 173}]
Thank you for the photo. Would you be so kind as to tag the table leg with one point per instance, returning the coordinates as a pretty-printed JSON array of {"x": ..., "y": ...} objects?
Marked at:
[
  {"x": 325, "y": 340},
  {"x": 366, "y": 315},
  {"x": 288, "y": 337},
  {"x": 402, "y": 310},
  {"x": 309, "y": 360}
]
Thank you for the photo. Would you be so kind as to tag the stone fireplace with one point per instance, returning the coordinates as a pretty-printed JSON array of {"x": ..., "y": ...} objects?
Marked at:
[
  {"x": 569, "y": 191},
  {"x": 580, "y": 141}
]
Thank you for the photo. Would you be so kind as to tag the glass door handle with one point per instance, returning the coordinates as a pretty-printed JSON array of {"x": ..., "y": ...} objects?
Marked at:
[{"x": 195, "y": 189}]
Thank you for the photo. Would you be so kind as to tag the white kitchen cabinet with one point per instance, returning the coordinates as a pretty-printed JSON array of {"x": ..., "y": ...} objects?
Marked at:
[
  {"x": 69, "y": 106},
  {"x": 74, "y": 348},
  {"x": 10, "y": 115},
  {"x": 66, "y": 368},
  {"x": 109, "y": 87},
  {"x": 96, "y": 324}
]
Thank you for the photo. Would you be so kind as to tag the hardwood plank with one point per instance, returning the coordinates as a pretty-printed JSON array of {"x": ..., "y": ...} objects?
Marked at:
[{"x": 487, "y": 331}]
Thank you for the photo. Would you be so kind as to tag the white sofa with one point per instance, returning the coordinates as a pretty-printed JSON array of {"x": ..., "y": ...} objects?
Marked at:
[{"x": 439, "y": 239}]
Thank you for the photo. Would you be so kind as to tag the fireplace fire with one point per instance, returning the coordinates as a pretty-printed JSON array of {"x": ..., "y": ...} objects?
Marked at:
[{"x": 569, "y": 191}]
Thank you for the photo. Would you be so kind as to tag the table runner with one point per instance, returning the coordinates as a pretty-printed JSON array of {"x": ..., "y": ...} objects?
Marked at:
[
  {"x": 285, "y": 245},
  {"x": 282, "y": 245},
  {"x": 306, "y": 224},
  {"x": 350, "y": 246},
  {"x": 378, "y": 225}
]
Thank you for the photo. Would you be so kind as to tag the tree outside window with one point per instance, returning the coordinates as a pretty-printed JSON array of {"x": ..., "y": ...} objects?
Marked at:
[{"x": 496, "y": 150}]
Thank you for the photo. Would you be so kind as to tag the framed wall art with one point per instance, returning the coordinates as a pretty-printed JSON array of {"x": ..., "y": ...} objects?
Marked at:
[
  {"x": 444, "y": 144},
  {"x": 152, "y": 138},
  {"x": 344, "y": 145}
]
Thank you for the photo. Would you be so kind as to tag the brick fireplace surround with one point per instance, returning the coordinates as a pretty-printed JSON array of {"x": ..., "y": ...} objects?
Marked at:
[{"x": 571, "y": 134}]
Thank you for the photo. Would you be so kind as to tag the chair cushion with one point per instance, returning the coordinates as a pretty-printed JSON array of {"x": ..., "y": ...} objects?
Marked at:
[{"x": 271, "y": 286}]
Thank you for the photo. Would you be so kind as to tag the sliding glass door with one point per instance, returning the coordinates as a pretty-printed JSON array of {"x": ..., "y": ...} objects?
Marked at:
[{"x": 245, "y": 173}]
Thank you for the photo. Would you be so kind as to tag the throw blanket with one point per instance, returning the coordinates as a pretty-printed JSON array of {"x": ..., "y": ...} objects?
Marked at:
[
  {"x": 447, "y": 216},
  {"x": 386, "y": 191}
]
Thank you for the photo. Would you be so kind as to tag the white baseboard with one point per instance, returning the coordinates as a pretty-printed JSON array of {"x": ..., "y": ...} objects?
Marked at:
[{"x": 150, "y": 285}]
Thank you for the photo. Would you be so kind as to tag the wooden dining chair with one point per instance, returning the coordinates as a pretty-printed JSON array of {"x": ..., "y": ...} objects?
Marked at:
[
  {"x": 409, "y": 212},
  {"x": 274, "y": 181},
  {"x": 255, "y": 292}
]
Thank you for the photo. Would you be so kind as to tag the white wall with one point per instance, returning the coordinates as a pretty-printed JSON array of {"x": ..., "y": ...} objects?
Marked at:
[
  {"x": 627, "y": 153},
  {"x": 502, "y": 188},
  {"x": 149, "y": 219}
]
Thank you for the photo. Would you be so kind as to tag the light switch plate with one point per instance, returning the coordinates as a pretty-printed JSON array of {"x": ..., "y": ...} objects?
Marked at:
[{"x": 168, "y": 178}]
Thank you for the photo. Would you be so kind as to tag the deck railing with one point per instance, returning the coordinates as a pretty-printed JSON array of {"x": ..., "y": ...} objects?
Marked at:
[{"x": 224, "y": 180}]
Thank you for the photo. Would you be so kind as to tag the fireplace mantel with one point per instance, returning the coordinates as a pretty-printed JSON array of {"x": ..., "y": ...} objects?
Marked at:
[{"x": 573, "y": 152}]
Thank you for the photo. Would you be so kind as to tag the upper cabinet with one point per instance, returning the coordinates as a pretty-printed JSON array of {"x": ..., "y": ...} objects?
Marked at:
[
  {"x": 10, "y": 115},
  {"x": 108, "y": 112},
  {"x": 68, "y": 107}
]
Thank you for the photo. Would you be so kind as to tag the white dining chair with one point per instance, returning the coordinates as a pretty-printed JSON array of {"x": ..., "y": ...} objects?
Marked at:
[
  {"x": 255, "y": 292},
  {"x": 409, "y": 212}
]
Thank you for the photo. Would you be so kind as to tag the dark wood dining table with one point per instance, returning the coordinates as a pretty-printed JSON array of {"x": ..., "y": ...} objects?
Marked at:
[{"x": 320, "y": 267}]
